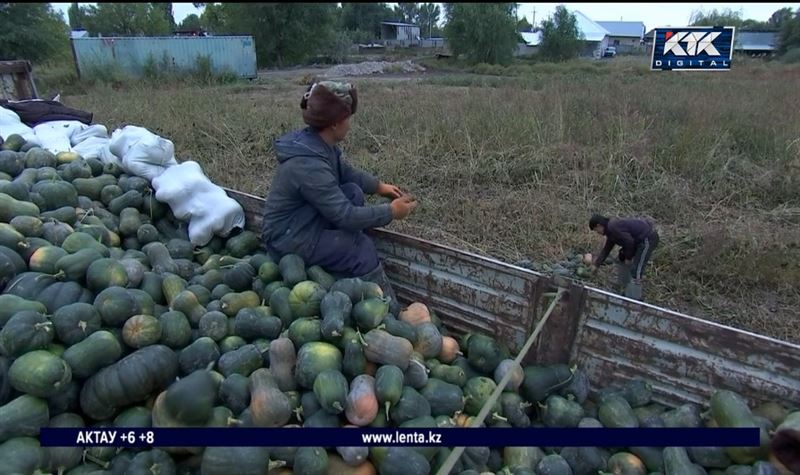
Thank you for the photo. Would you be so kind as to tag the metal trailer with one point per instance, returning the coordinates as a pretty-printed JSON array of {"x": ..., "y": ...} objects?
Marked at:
[{"x": 613, "y": 338}]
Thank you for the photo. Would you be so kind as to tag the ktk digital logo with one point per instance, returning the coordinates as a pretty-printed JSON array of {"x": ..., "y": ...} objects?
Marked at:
[{"x": 693, "y": 48}]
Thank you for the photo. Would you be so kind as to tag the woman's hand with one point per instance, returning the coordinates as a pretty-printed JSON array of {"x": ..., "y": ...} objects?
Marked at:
[{"x": 389, "y": 191}]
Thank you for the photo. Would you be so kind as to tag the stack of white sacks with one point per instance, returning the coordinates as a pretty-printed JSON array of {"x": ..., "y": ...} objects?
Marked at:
[{"x": 184, "y": 187}]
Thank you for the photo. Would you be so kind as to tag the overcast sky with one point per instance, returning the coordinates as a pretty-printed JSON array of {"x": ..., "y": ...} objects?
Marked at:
[{"x": 652, "y": 14}]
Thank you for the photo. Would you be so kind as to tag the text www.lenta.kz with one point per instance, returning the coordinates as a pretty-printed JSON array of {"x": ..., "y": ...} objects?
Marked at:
[{"x": 403, "y": 438}]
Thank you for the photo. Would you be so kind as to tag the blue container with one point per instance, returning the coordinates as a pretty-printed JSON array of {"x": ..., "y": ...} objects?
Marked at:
[{"x": 136, "y": 55}]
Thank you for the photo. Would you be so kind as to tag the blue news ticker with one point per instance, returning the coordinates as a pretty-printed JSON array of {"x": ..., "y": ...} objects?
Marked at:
[{"x": 355, "y": 437}]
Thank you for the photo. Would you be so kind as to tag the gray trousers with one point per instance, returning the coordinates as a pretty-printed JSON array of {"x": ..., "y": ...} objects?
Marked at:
[{"x": 635, "y": 270}]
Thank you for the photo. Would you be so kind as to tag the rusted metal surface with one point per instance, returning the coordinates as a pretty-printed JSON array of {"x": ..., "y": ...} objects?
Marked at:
[
  {"x": 16, "y": 81},
  {"x": 252, "y": 206},
  {"x": 685, "y": 358},
  {"x": 554, "y": 345},
  {"x": 468, "y": 292},
  {"x": 613, "y": 338}
]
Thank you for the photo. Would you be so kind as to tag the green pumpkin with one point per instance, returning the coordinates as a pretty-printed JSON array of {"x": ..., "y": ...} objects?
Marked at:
[{"x": 305, "y": 298}]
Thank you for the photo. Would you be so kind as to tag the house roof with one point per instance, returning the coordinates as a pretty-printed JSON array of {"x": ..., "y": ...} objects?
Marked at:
[
  {"x": 590, "y": 29},
  {"x": 756, "y": 40},
  {"x": 632, "y": 29},
  {"x": 532, "y": 38},
  {"x": 397, "y": 23}
]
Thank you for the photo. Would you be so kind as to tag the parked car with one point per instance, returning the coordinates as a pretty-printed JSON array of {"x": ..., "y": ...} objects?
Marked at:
[{"x": 610, "y": 52}]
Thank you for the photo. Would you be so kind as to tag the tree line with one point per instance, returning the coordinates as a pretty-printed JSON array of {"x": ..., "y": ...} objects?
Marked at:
[{"x": 293, "y": 33}]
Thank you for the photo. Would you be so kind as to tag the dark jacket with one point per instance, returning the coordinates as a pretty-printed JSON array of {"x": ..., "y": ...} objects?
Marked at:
[
  {"x": 305, "y": 197},
  {"x": 627, "y": 234},
  {"x": 33, "y": 113}
]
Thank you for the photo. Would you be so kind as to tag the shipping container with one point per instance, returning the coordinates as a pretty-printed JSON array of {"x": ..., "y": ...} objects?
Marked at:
[{"x": 139, "y": 55}]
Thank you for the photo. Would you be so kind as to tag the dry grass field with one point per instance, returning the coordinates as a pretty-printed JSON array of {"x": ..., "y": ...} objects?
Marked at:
[{"x": 510, "y": 162}]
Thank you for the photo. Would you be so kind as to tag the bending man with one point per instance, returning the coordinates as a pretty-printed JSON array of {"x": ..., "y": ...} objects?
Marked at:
[{"x": 637, "y": 239}]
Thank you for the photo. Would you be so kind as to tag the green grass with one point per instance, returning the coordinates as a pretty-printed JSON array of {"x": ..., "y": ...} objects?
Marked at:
[{"x": 511, "y": 163}]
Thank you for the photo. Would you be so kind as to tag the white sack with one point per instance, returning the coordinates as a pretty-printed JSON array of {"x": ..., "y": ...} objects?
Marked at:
[
  {"x": 93, "y": 131},
  {"x": 55, "y": 135},
  {"x": 194, "y": 198},
  {"x": 94, "y": 147},
  {"x": 10, "y": 124},
  {"x": 142, "y": 152}
]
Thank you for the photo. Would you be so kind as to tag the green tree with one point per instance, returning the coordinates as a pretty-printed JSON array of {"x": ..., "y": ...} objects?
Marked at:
[
  {"x": 447, "y": 10},
  {"x": 406, "y": 12},
  {"x": 750, "y": 25},
  {"x": 561, "y": 38},
  {"x": 285, "y": 33},
  {"x": 428, "y": 18},
  {"x": 213, "y": 17},
  {"x": 789, "y": 37},
  {"x": 483, "y": 32},
  {"x": 191, "y": 22},
  {"x": 777, "y": 19},
  {"x": 126, "y": 19},
  {"x": 75, "y": 15},
  {"x": 726, "y": 17},
  {"x": 364, "y": 19},
  {"x": 166, "y": 9},
  {"x": 32, "y": 31},
  {"x": 524, "y": 25}
]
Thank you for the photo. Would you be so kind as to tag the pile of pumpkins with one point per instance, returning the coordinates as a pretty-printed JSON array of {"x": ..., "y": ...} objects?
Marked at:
[{"x": 109, "y": 317}]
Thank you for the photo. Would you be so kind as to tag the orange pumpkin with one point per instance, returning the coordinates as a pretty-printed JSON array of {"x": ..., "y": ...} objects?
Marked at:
[
  {"x": 336, "y": 466},
  {"x": 361, "y": 406},
  {"x": 450, "y": 350},
  {"x": 415, "y": 314},
  {"x": 269, "y": 406}
]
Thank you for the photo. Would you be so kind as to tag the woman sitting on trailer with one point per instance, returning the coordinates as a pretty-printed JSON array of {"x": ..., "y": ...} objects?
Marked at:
[{"x": 315, "y": 207}]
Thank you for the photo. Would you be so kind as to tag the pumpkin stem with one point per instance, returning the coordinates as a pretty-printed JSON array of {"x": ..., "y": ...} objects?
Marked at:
[
  {"x": 93, "y": 459},
  {"x": 361, "y": 338},
  {"x": 60, "y": 275},
  {"x": 338, "y": 406},
  {"x": 499, "y": 417},
  {"x": 388, "y": 404},
  {"x": 276, "y": 464}
]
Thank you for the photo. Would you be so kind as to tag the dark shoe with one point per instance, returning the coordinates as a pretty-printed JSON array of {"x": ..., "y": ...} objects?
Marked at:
[{"x": 378, "y": 276}]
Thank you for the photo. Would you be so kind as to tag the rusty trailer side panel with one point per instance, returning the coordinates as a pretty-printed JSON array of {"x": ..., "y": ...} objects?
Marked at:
[
  {"x": 685, "y": 358},
  {"x": 613, "y": 338}
]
